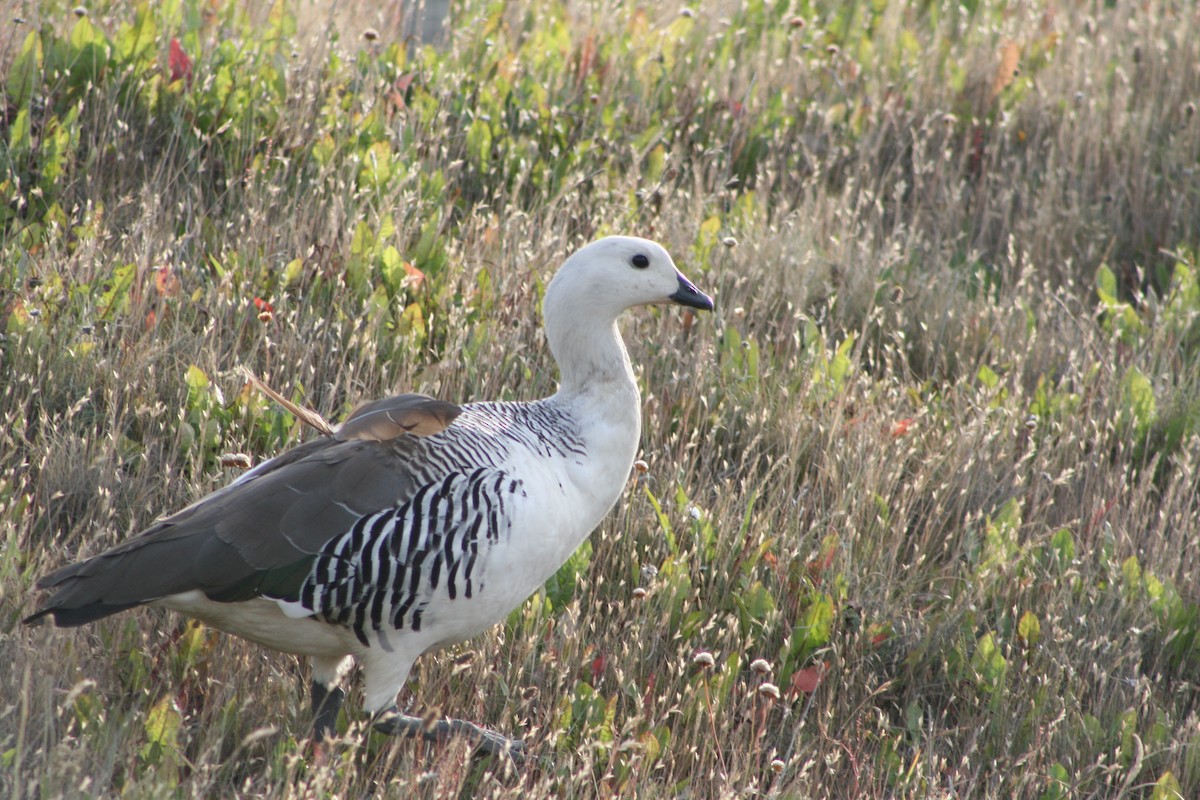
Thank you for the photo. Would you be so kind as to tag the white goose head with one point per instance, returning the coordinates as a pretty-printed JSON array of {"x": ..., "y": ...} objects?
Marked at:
[
  {"x": 592, "y": 288},
  {"x": 613, "y": 274}
]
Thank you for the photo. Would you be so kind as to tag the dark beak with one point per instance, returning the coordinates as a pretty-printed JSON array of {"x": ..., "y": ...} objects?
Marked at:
[{"x": 689, "y": 295}]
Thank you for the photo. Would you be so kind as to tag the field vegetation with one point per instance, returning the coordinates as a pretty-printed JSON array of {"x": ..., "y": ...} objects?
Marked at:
[{"x": 921, "y": 508}]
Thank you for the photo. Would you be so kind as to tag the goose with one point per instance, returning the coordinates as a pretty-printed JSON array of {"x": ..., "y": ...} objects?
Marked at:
[{"x": 416, "y": 524}]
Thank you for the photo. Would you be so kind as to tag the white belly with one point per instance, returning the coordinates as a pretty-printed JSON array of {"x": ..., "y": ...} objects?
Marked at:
[{"x": 261, "y": 620}]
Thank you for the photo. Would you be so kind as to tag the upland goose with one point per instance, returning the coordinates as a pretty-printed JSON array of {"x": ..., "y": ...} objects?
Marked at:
[{"x": 416, "y": 524}]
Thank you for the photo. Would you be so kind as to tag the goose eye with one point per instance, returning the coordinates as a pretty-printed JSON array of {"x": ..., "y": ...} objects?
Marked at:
[{"x": 640, "y": 261}]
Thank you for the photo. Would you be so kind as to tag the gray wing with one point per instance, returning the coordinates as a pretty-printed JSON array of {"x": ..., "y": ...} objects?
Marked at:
[{"x": 262, "y": 533}]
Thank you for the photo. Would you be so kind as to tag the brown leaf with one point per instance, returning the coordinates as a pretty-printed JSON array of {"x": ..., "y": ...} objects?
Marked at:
[{"x": 1008, "y": 69}]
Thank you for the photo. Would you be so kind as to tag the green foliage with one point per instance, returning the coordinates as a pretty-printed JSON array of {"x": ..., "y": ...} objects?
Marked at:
[{"x": 161, "y": 751}]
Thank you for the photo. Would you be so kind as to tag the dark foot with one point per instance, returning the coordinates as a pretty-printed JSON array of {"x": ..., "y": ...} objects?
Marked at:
[
  {"x": 326, "y": 703},
  {"x": 394, "y": 723}
]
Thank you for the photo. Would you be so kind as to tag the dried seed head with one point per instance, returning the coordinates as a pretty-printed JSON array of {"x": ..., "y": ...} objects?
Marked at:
[
  {"x": 80, "y": 11},
  {"x": 833, "y": 49},
  {"x": 639, "y": 593},
  {"x": 687, "y": 12},
  {"x": 1031, "y": 422},
  {"x": 769, "y": 690},
  {"x": 777, "y": 765},
  {"x": 797, "y": 22},
  {"x": 641, "y": 467},
  {"x": 729, "y": 242},
  {"x": 235, "y": 460},
  {"x": 760, "y": 666},
  {"x": 704, "y": 659},
  {"x": 370, "y": 34},
  {"x": 649, "y": 572}
]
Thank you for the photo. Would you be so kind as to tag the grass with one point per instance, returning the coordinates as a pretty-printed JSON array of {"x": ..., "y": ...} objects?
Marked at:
[{"x": 924, "y": 488}]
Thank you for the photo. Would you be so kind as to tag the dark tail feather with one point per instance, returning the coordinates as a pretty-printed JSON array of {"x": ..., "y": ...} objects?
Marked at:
[{"x": 74, "y": 617}]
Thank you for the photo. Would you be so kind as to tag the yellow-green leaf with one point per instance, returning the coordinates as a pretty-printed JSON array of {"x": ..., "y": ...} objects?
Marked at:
[{"x": 1029, "y": 629}]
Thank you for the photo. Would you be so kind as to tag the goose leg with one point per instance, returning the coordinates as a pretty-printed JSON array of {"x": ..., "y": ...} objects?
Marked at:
[
  {"x": 393, "y": 723},
  {"x": 326, "y": 703}
]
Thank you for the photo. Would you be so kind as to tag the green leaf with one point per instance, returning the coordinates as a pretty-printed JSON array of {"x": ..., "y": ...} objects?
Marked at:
[
  {"x": 1029, "y": 629},
  {"x": 814, "y": 628},
  {"x": 663, "y": 521},
  {"x": 197, "y": 383},
  {"x": 840, "y": 365},
  {"x": 1131, "y": 575},
  {"x": 19, "y": 140},
  {"x": 562, "y": 585},
  {"x": 987, "y": 376},
  {"x": 1140, "y": 406},
  {"x": 989, "y": 664},
  {"x": 1063, "y": 543},
  {"x": 1058, "y": 783},
  {"x": 89, "y": 53},
  {"x": 377, "y": 166},
  {"x": 56, "y": 145},
  {"x": 135, "y": 42},
  {"x": 391, "y": 269},
  {"x": 1167, "y": 788},
  {"x": 1106, "y": 285},
  {"x": 479, "y": 143},
  {"x": 116, "y": 295},
  {"x": 162, "y": 730},
  {"x": 25, "y": 74},
  {"x": 429, "y": 255},
  {"x": 293, "y": 271}
]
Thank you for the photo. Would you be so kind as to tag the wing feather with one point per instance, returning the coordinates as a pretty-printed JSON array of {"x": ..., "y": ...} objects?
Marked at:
[{"x": 261, "y": 534}]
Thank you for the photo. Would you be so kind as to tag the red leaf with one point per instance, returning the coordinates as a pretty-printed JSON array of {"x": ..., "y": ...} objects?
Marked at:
[
  {"x": 399, "y": 87},
  {"x": 414, "y": 277},
  {"x": 266, "y": 311},
  {"x": 598, "y": 664},
  {"x": 165, "y": 282},
  {"x": 824, "y": 561},
  {"x": 648, "y": 695},
  {"x": 902, "y": 427},
  {"x": 808, "y": 679},
  {"x": 180, "y": 64}
]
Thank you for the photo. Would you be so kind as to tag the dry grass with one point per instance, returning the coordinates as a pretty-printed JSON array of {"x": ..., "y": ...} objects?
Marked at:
[{"x": 931, "y": 461}]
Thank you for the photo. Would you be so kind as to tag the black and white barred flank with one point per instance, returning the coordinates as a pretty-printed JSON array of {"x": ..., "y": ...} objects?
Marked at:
[{"x": 387, "y": 568}]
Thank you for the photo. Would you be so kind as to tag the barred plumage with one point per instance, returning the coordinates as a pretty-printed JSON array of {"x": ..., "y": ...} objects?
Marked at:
[
  {"x": 415, "y": 524},
  {"x": 389, "y": 567}
]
